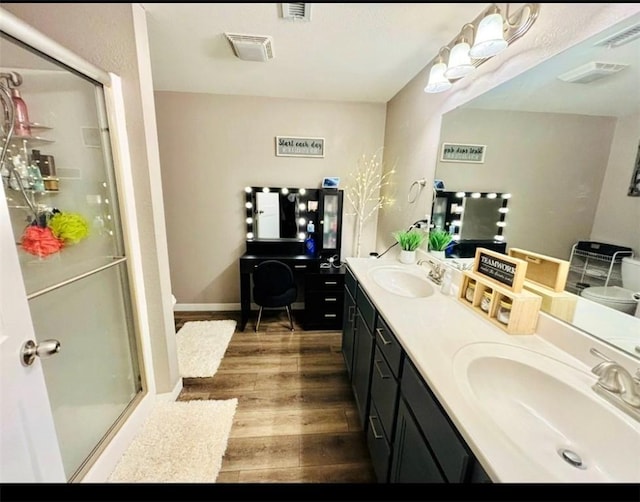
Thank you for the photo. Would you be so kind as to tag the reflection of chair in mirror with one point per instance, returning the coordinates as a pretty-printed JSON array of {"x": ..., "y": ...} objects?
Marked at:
[{"x": 274, "y": 287}]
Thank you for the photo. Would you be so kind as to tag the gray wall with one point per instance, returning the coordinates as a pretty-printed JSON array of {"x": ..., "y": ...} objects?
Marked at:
[
  {"x": 212, "y": 146},
  {"x": 412, "y": 132}
]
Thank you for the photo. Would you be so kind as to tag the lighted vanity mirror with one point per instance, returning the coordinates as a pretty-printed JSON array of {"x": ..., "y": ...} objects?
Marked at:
[
  {"x": 564, "y": 142},
  {"x": 279, "y": 212},
  {"x": 471, "y": 215}
]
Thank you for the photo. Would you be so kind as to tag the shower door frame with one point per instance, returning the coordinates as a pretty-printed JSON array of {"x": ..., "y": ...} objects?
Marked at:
[{"x": 97, "y": 468}]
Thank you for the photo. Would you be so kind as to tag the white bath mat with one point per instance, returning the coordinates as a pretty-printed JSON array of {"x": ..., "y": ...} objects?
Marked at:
[
  {"x": 180, "y": 442},
  {"x": 201, "y": 345}
]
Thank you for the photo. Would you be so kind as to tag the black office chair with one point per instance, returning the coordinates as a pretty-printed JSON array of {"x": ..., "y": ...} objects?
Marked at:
[{"x": 274, "y": 287}]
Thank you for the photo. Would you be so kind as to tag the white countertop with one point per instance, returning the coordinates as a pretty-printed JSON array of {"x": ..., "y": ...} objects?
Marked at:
[{"x": 431, "y": 330}]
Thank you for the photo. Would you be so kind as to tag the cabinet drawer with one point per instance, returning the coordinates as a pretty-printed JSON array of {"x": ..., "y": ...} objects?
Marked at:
[
  {"x": 350, "y": 282},
  {"x": 449, "y": 449},
  {"x": 384, "y": 393},
  {"x": 325, "y": 281},
  {"x": 389, "y": 346},
  {"x": 379, "y": 448},
  {"x": 366, "y": 308},
  {"x": 324, "y": 301}
]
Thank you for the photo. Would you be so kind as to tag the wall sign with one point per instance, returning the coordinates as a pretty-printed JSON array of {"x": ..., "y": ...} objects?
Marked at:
[
  {"x": 500, "y": 268},
  {"x": 455, "y": 152},
  {"x": 294, "y": 146}
]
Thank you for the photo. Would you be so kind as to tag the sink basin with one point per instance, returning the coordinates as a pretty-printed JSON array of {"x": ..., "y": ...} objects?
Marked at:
[
  {"x": 402, "y": 282},
  {"x": 548, "y": 412}
]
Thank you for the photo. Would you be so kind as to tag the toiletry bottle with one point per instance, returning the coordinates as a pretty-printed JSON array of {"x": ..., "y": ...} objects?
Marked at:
[
  {"x": 21, "y": 123},
  {"x": 311, "y": 227},
  {"x": 310, "y": 245}
]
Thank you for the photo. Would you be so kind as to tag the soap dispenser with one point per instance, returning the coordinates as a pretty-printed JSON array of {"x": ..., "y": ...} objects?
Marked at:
[{"x": 22, "y": 125}]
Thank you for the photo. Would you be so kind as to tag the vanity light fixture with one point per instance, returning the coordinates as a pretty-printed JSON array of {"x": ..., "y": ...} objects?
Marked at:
[
  {"x": 459, "y": 58},
  {"x": 302, "y": 206},
  {"x": 475, "y": 195},
  {"x": 491, "y": 195},
  {"x": 284, "y": 191},
  {"x": 503, "y": 210},
  {"x": 266, "y": 189},
  {"x": 302, "y": 191},
  {"x": 492, "y": 34},
  {"x": 489, "y": 39},
  {"x": 506, "y": 196},
  {"x": 460, "y": 195},
  {"x": 248, "y": 205},
  {"x": 248, "y": 189},
  {"x": 249, "y": 220},
  {"x": 498, "y": 237},
  {"x": 301, "y": 236},
  {"x": 501, "y": 224},
  {"x": 249, "y": 235},
  {"x": 437, "y": 80}
]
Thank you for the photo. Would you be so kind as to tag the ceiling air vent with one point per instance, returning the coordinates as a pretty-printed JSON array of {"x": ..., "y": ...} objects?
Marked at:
[
  {"x": 620, "y": 38},
  {"x": 251, "y": 47},
  {"x": 591, "y": 71},
  {"x": 296, "y": 11}
]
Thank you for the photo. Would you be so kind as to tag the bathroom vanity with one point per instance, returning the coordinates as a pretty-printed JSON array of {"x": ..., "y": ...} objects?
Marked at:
[{"x": 444, "y": 395}]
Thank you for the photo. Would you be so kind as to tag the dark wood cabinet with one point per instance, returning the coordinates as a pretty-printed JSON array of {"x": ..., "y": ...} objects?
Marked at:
[
  {"x": 438, "y": 437},
  {"x": 362, "y": 353},
  {"x": 410, "y": 437},
  {"x": 323, "y": 299},
  {"x": 348, "y": 322}
]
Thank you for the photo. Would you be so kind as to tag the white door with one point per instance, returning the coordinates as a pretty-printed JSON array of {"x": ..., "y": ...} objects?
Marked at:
[
  {"x": 268, "y": 215},
  {"x": 29, "y": 450}
]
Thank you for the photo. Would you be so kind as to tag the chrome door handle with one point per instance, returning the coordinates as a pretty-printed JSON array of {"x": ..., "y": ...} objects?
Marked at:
[{"x": 44, "y": 349}]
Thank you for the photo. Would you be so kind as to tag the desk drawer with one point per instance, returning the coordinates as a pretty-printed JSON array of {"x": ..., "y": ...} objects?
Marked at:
[{"x": 325, "y": 282}]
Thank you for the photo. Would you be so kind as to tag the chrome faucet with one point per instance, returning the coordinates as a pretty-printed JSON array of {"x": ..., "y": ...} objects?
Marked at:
[
  {"x": 436, "y": 272},
  {"x": 617, "y": 385}
]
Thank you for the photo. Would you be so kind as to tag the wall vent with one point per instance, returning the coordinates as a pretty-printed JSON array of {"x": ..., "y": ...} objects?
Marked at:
[
  {"x": 620, "y": 38},
  {"x": 296, "y": 11},
  {"x": 591, "y": 71},
  {"x": 251, "y": 47}
]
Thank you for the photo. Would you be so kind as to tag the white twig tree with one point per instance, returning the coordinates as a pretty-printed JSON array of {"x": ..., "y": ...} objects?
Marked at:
[{"x": 364, "y": 191}]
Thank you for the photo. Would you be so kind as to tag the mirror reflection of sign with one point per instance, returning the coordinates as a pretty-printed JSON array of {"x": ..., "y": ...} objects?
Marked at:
[
  {"x": 291, "y": 146},
  {"x": 499, "y": 270},
  {"x": 453, "y": 152}
]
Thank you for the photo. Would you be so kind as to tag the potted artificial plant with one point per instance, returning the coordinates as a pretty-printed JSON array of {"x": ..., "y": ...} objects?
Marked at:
[
  {"x": 438, "y": 241},
  {"x": 409, "y": 241}
]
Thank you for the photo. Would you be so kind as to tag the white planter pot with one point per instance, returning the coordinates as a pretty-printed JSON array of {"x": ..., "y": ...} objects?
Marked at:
[
  {"x": 437, "y": 254},
  {"x": 407, "y": 257}
]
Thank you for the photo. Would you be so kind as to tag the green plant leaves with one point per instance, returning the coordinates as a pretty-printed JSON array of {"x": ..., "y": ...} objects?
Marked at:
[
  {"x": 410, "y": 240},
  {"x": 439, "y": 240}
]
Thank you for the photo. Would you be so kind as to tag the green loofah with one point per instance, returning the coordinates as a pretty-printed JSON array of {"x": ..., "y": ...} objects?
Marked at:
[{"x": 70, "y": 227}]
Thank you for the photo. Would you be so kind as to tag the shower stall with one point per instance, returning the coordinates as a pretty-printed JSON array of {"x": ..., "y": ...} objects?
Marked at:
[{"x": 62, "y": 219}]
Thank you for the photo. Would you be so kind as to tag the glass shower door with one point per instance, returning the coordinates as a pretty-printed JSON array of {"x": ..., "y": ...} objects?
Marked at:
[{"x": 58, "y": 180}]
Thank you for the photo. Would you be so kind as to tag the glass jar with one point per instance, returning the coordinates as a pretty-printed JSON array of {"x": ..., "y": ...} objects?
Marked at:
[
  {"x": 469, "y": 292},
  {"x": 504, "y": 312},
  {"x": 486, "y": 301}
]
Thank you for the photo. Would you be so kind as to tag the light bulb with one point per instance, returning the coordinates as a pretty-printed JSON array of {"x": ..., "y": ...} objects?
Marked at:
[
  {"x": 459, "y": 61},
  {"x": 437, "y": 81},
  {"x": 489, "y": 39}
]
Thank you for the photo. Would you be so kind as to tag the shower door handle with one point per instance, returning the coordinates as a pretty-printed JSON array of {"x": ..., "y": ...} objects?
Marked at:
[{"x": 44, "y": 349}]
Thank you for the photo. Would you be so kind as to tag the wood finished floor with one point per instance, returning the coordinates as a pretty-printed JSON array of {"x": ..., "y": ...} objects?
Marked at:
[{"x": 296, "y": 420}]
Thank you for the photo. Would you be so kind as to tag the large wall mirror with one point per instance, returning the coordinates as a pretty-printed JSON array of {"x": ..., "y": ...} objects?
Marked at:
[{"x": 563, "y": 138}]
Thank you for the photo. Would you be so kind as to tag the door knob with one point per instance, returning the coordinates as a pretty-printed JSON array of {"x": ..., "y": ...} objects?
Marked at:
[{"x": 45, "y": 348}]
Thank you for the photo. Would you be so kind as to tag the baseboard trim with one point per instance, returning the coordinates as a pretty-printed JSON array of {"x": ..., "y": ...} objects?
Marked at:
[{"x": 221, "y": 307}]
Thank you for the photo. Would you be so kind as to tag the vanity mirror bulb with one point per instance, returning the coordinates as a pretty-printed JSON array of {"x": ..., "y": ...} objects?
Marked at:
[{"x": 248, "y": 189}]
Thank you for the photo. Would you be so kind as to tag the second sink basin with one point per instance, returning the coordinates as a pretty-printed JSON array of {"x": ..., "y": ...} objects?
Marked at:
[
  {"x": 401, "y": 281},
  {"x": 548, "y": 410}
]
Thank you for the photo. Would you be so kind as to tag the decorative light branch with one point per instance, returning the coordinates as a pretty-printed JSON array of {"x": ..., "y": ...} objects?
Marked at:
[{"x": 364, "y": 191}]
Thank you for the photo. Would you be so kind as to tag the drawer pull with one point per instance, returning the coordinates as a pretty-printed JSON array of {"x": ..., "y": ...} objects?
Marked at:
[
  {"x": 373, "y": 428},
  {"x": 352, "y": 311},
  {"x": 299, "y": 266},
  {"x": 330, "y": 283},
  {"x": 379, "y": 331},
  {"x": 377, "y": 365},
  {"x": 331, "y": 299},
  {"x": 330, "y": 315}
]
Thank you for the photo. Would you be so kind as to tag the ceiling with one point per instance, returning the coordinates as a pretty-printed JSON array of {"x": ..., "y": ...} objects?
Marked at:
[{"x": 364, "y": 52}]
